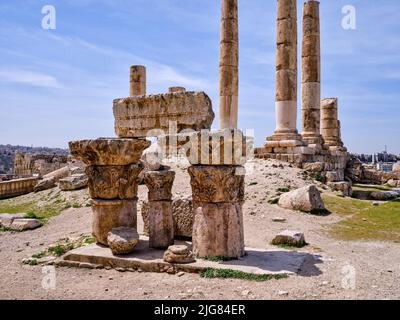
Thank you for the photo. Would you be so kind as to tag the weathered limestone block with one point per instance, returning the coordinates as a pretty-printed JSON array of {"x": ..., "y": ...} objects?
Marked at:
[
  {"x": 216, "y": 183},
  {"x": 176, "y": 89},
  {"x": 182, "y": 214},
  {"x": 159, "y": 184},
  {"x": 113, "y": 182},
  {"x": 45, "y": 184},
  {"x": 291, "y": 238},
  {"x": 343, "y": 186},
  {"x": 161, "y": 224},
  {"x": 109, "y": 214},
  {"x": 219, "y": 147},
  {"x": 330, "y": 126},
  {"x": 334, "y": 176},
  {"x": 17, "y": 187},
  {"x": 25, "y": 224},
  {"x": 58, "y": 174},
  {"x": 178, "y": 254},
  {"x": 218, "y": 230},
  {"x": 74, "y": 182},
  {"x": 304, "y": 199},
  {"x": 122, "y": 240},
  {"x": 138, "y": 80},
  {"x": 286, "y": 85},
  {"x": 149, "y": 116},
  {"x": 6, "y": 219},
  {"x": 393, "y": 183},
  {"x": 314, "y": 166},
  {"x": 396, "y": 167},
  {"x": 103, "y": 151}
]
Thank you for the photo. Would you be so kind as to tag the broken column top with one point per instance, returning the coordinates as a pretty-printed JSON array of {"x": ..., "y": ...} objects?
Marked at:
[
  {"x": 109, "y": 151},
  {"x": 176, "y": 89},
  {"x": 149, "y": 116}
]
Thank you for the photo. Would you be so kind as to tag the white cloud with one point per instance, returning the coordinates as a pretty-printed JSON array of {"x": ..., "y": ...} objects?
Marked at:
[{"x": 29, "y": 78}]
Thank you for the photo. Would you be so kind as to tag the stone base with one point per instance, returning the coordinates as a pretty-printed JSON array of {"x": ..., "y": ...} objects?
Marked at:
[
  {"x": 161, "y": 224},
  {"x": 218, "y": 230},
  {"x": 256, "y": 261},
  {"x": 109, "y": 214}
]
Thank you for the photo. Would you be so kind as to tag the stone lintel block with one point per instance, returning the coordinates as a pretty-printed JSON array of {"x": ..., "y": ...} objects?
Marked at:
[
  {"x": 159, "y": 184},
  {"x": 218, "y": 230},
  {"x": 108, "y": 151},
  {"x": 219, "y": 147},
  {"x": 161, "y": 224},
  {"x": 217, "y": 183},
  {"x": 286, "y": 85},
  {"x": 113, "y": 182},
  {"x": 151, "y": 116},
  {"x": 109, "y": 214}
]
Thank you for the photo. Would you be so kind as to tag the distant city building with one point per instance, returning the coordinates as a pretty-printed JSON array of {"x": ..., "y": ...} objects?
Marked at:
[{"x": 382, "y": 161}]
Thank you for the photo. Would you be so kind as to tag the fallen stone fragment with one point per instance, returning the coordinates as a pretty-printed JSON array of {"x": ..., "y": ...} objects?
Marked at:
[
  {"x": 6, "y": 219},
  {"x": 74, "y": 182},
  {"x": 25, "y": 224},
  {"x": 290, "y": 238},
  {"x": 278, "y": 219},
  {"x": 304, "y": 199},
  {"x": 178, "y": 254},
  {"x": 45, "y": 184},
  {"x": 122, "y": 240}
]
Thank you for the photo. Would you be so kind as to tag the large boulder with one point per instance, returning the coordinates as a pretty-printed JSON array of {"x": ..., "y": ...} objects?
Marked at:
[
  {"x": 25, "y": 224},
  {"x": 305, "y": 199},
  {"x": 45, "y": 184},
  {"x": 290, "y": 238},
  {"x": 74, "y": 182},
  {"x": 122, "y": 240}
]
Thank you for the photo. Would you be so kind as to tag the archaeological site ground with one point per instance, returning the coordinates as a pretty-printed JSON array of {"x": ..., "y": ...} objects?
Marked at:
[{"x": 181, "y": 202}]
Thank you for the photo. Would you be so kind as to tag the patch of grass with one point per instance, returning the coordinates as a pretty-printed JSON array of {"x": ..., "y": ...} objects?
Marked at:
[
  {"x": 363, "y": 220},
  {"x": 76, "y": 205},
  {"x": 234, "y": 274},
  {"x": 319, "y": 177},
  {"x": 58, "y": 250},
  {"x": 371, "y": 188},
  {"x": 39, "y": 255},
  {"x": 33, "y": 262}
]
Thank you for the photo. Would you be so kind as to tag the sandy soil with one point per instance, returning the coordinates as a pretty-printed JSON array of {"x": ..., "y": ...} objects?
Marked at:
[{"x": 329, "y": 263}]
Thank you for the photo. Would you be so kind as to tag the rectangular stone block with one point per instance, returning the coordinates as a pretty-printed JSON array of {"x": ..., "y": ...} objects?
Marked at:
[
  {"x": 286, "y": 31},
  {"x": 286, "y": 57},
  {"x": 150, "y": 116},
  {"x": 286, "y": 85},
  {"x": 161, "y": 224},
  {"x": 311, "y": 69}
]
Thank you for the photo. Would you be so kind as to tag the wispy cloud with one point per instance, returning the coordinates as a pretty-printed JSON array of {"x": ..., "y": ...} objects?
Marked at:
[{"x": 30, "y": 78}]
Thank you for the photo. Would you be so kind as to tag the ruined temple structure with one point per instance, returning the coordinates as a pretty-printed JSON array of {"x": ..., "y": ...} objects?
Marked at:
[
  {"x": 319, "y": 147},
  {"x": 26, "y": 164}
]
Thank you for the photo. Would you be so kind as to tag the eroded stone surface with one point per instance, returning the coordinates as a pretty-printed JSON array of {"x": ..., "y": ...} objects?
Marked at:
[
  {"x": 25, "y": 224},
  {"x": 74, "y": 182},
  {"x": 178, "y": 254},
  {"x": 113, "y": 182},
  {"x": 290, "y": 238},
  {"x": 6, "y": 219},
  {"x": 161, "y": 224},
  {"x": 103, "y": 151},
  {"x": 304, "y": 199},
  {"x": 218, "y": 230},
  {"x": 216, "y": 183},
  {"x": 159, "y": 184},
  {"x": 122, "y": 240},
  {"x": 149, "y": 116},
  {"x": 218, "y": 147},
  {"x": 109, "y": 214},
  {"x": 45, "y": 184}
]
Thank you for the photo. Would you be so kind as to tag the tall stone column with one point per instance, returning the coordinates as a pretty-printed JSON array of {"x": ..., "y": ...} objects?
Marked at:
[
  {"x": 228, "y": 66},
  {"x": 286, "y": 71},
  {"x": 330, "y": 125},
  {"x": 311, "y": 74},
  {"x": 138, "y": 81}
]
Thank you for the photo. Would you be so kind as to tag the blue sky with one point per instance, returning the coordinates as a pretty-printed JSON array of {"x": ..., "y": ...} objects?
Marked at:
[{"x": 58, "y": 85}]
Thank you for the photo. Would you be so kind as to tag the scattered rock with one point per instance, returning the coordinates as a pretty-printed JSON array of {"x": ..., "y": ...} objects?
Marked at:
[
  {"x": 180, "y": 274},
  {"x": 45, "y": 184},
  {"x": 304, "y": 199},
  {"x": 74, "y": 182},
  {"x": 25, "y": 224},
  {"x": 122, "y": 240},
  {"x": 178, "y": 254},
  {"x": 283, "y": 293},
  {"x": 278, "y": 219},
  {"x": 246, "y": 292},
  {"x": 290, "y": 238},
  {"x": 6, "y": 219}
]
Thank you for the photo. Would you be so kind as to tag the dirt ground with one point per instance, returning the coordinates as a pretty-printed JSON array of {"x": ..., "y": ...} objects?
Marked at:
[{"x": 334, "y": 269}]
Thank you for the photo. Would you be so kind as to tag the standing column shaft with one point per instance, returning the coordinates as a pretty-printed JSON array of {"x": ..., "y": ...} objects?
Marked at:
[
  {"x": 228, "y": 66},
  {"x": 286, "y": 67},
  {"x": 330, "y": 125},
  {"x": 138, "y": 81},
  {"x": 311, "y": 73}
]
